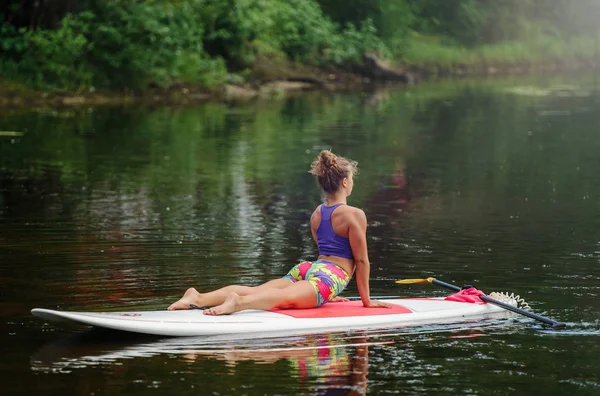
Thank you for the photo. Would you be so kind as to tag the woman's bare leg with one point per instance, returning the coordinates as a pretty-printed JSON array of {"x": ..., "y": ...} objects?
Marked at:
[
  {"x": 217, "y": 297},
  {"x": 297, "y": 295}
]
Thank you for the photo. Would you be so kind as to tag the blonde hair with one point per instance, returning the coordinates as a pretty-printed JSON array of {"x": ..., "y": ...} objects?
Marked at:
[{"x": 331, "y": 170}]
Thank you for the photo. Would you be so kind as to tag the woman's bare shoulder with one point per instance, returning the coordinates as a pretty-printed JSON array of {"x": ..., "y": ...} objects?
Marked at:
[
  {"x": 353, "y": 209},
  {"x": 317, "y": 211},
  {"x": 316, "y": 215},
  {"x": 354, "y": 212}
]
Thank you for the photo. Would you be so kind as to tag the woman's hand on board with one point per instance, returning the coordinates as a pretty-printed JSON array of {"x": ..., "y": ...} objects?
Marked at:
[
  {"x": 339, "y": 299},
  {"x": 377, "y": 304}
]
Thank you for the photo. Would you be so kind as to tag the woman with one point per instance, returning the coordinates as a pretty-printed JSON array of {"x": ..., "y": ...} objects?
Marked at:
[{"x": 341, "y": 235}]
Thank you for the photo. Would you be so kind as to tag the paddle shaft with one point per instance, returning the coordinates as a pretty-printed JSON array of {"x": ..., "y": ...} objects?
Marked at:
[
  {"x": 512, "y": 308},
  {"x": 446, "y": 285}
]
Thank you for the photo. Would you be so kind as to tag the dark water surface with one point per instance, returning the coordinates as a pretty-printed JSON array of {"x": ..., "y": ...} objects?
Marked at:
[{"x": 493, "y": 183}]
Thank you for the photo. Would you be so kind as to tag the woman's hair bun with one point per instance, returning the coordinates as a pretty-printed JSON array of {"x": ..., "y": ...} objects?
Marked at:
[
  {"x": 331, "y": 169},
  {"x": 328, "y": 159}
]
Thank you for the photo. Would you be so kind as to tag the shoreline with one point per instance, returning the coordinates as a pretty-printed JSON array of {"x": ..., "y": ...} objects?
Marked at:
[{"x": 279, "y": 82}]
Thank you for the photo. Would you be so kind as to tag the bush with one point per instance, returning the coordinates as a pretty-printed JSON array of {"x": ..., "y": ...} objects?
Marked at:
[
  {"x": 301, "y": 30},
  {"x": 149, "y": 43},
  {"x": 240, "y": 30},
  {"x": 350, "y": 46},
  {"x": 117, "y": 44},
  {"x": 49, "y": 59},
  {"x": 128, "y": 44},
  {"x": 297, "y": 29}
]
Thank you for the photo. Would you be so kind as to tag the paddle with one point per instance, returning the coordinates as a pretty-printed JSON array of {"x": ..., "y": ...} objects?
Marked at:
[{"x": 553, "y": 323}]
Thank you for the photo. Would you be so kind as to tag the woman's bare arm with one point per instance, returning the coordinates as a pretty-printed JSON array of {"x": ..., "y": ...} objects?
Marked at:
[
  {"x": 357, "y": 234},
  {"x": 315, "y": 219}
]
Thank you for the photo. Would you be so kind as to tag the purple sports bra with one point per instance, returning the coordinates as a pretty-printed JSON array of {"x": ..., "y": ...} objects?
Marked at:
[{"x": 330, "y": 243}]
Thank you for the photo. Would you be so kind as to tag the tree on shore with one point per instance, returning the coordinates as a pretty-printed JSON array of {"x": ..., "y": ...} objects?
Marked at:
[{"x": 125, "y": 44}]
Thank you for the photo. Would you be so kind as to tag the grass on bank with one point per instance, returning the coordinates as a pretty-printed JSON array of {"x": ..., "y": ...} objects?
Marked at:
[{"x": 429, "y": 51}]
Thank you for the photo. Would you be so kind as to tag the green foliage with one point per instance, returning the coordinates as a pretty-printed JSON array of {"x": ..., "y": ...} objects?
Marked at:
[
  {"x": 298, "y": 29},
  {"x": 125, "y": 44},
  {"x": 427, "y": 50},
  {"x": 128, "y": 44},
  {"x": 301, "y": 30},
  {"x": 139, "y": 44},
  {"x": 13, "y": 39},
  {"x": 50, "y": 58},
  {"x": 481, "y": 22},
  {"x": 391, "y": 20},
  {"x": 459, "y": 21},
  {"x": 349, "y": 47},
  {"x": 233, "y": 28},
  {"x": 118, "y": 44}
]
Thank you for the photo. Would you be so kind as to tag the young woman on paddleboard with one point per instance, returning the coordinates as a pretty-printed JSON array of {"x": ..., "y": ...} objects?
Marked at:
[{"x": 341, "y": 235}]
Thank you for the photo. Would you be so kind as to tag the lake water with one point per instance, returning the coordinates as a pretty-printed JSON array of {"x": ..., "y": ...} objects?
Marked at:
[{"x": 493, "y": 183}]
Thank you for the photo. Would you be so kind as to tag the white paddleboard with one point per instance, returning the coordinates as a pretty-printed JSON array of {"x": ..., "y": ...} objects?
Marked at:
[{"x": 329, "y": 317}]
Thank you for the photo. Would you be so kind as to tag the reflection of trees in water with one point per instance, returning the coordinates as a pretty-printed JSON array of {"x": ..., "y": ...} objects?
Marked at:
[
  {"x": 387, "y": 208},
  {"x": 34, "y": 194},
  {"x": 138, "y": 182},
  {"x": 225, "y": 189},
  {"x": 492, "y": 170}
]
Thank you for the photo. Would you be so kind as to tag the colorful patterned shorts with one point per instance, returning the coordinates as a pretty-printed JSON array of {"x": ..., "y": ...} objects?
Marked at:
[{"x": 328, "y": 279}]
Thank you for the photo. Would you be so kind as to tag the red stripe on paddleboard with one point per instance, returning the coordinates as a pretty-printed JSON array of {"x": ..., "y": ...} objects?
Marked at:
[{"x": 342, "y": 309}]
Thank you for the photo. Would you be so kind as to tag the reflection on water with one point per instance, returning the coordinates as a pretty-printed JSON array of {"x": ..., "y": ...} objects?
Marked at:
[
  {"x": 321, "y": 362},
  {"x": 334, "y": 361},
  {"x": 471, "y": 182}
]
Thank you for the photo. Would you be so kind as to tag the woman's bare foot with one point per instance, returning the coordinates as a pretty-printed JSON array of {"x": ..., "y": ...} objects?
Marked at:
[
  {"x": 230, "y": 305},
  {"x": 190, "y": 297}
]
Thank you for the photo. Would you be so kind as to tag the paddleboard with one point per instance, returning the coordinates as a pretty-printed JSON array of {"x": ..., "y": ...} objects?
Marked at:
[{"x": 338, "y": 316}]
